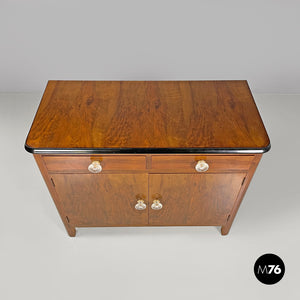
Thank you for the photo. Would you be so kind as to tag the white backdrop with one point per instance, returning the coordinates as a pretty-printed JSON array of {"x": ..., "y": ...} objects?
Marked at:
[{"x": 152, "y": 40}]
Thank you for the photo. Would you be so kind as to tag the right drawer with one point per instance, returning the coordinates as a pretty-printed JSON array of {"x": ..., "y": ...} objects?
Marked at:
[{"x": 187, "y": 163}]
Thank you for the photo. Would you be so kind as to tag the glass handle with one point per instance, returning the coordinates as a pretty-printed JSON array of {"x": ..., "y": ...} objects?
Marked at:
[
  {"x": 156, "y": 205},
  {"x": 141, "y": 205},
  {"x": 201, "y": 166},
  {"x": 95, "y": 167}
]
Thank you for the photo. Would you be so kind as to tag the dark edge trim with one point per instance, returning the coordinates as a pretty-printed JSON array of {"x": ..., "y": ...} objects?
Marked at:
[{"x": 146, "y": 150}]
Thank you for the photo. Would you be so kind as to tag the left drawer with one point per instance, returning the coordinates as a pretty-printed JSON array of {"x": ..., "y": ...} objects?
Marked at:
[{"x": 80, "y": 163}]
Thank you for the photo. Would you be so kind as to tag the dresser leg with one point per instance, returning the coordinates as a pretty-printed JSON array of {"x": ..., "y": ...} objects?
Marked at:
[
  {"x": 225, "y": 228},
  {"x": 71, "y": 231}
]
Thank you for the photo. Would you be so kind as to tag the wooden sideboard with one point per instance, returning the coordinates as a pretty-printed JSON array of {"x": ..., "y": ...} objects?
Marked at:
[{"x": 147, "y": 153}]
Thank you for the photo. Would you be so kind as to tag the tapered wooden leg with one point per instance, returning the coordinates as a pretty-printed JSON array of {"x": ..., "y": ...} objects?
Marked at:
[
  {"x": 225, "y": 228},
  {"x": 71, "y": 231},
  {"x": 69, "y": 227}
]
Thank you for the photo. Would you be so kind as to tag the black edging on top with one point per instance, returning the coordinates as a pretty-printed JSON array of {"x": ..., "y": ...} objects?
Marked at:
[{"x": 146, "y": 150}]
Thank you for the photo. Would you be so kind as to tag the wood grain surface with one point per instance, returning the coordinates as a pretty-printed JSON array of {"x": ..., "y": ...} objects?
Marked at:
[
  {"x": 193, "y": 199},
  {"x": 226, "y": 227},
  {"x": 147, "y": 114},
  {"x": 53, "y": 192},
  {"x": 187, "y": 163},
  {"x": 70, "y": 163},
  {"x": 169, "y": 116},
  {"x": 103, "y": 199}
]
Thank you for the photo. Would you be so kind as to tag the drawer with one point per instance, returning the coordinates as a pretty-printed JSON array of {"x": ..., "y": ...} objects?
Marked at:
[
  {"x": 187, "y": 163},
  {"x": 70, "y": 164}
]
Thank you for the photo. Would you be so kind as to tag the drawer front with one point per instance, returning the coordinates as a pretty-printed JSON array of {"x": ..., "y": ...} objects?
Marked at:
[
  {"x": 187, "y": 163},
  {"x": 80, "y": 164}
]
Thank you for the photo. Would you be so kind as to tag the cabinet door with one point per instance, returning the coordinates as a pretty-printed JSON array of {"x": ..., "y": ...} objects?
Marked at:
[
  {"x": 103, "y": 199},
  {"x": 193, "y": 199}
]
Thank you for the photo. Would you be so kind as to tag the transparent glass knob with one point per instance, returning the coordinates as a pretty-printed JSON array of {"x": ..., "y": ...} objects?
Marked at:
[
  {"x": 156, "y": 205},
  {"x": 201, "y": 166},
  {"x": 95, "y": 167},
  {"x": 140, "y": 205}
]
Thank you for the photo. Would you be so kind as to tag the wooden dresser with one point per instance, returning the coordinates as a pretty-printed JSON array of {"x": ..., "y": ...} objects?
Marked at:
[{"x": 147, "y": 153}]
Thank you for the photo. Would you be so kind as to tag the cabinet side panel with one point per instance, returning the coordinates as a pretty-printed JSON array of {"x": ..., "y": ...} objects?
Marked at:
[
  {"x": 69, "y": 227},
  {"x": 225, "y": 229}
]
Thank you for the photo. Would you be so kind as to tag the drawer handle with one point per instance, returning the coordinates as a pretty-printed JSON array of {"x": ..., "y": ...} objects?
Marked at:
[
  {"x": 140, "y": 205},
  {"x": 201, "y": 166},
  {"x": 156, "y": 205},
  {"x": 95, "y": 167}
]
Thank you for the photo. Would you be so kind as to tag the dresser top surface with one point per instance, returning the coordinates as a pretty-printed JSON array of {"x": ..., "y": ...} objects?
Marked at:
[{"x": 147, "y": 117}]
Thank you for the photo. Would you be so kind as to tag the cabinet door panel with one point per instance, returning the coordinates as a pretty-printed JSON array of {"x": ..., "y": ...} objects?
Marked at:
[
  {"x": 193, "y": 199},
  {"x": 103, "y": 199}
]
